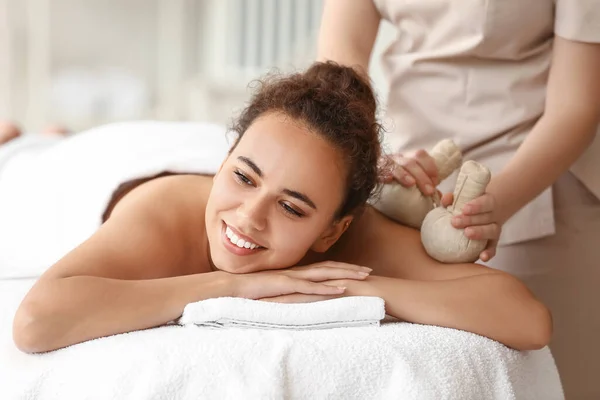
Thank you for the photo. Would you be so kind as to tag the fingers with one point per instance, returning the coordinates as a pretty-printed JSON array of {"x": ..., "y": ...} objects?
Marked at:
[
  {"x": 402, "y": 176},
  {"x": 483, "y": 232},
  {"x": 334, "y": 264},
  {"x": 428, "y": 164},
  {"x": 490, "y": 251},
  {"x": 419, "y": 170},
  {"x": 343, "y": 265},
  {"x": 463, "y": 221},
  {"x": 326, "y": 272},
  {"x": 308, "y": 287},
  {"x": 447, "y": 199},
  {"x": 483, "y": 204}
]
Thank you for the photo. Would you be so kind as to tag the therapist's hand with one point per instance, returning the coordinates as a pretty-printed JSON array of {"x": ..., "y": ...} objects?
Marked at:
[
  {"x": 480, "y": 221},
  {"x": 412, "y": 169}
]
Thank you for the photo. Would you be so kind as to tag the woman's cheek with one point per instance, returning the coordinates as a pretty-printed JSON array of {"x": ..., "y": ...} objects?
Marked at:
[{"x": 295, "y": 238}]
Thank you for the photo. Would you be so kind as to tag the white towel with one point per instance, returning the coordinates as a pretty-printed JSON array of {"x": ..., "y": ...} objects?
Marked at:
[
  {"x": 395, "y": 361},
  {"x": 223, "y": 312},
  {"x": 53, "y": 201}
]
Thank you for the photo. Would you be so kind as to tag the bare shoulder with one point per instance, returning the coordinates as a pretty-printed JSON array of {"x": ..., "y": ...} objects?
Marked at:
[
  {"x": 395, "y": 250},
  {"x": 175, "y": 204},
  {"x": 155, "y": 231},
  {"x": 170, "y": 196}
]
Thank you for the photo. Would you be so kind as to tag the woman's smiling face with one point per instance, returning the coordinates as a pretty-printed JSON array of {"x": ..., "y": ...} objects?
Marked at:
[{"x": 275, "y": 197}]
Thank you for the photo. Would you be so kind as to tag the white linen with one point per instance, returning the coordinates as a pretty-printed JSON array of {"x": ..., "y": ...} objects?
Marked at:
[
  {"x": 228, "y": 312},
  {"x": 396, "y": 360},
  {"x": 53, "y": 200}
]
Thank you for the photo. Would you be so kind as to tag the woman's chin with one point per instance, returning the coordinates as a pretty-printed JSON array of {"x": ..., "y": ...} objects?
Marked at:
[{"x": 231, "y": 268}]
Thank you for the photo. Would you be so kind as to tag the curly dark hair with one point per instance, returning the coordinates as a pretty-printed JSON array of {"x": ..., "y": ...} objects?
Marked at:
[{"x": 337, "y": 103}]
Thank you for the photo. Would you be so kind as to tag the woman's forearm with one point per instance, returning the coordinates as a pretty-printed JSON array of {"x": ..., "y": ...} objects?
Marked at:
[
  {"x": 497, "y": 306},
  {"x": 65, "y": 311},
  {"x": 551, "y": 148}
]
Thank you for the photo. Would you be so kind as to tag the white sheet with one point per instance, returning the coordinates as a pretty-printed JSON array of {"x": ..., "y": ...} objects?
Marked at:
[
  {"x": 52, "y": 202},
  {"x": 397, "y": 360}
]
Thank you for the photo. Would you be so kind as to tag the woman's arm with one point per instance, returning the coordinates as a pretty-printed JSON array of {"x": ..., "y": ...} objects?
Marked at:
[
  {"x": 348, "y": 32},
  {"x": 568, "y": 126},
  {"x": 494, "y": 305},
  {"x": 65, "y": 311},
  {"x": 419, "y": 289},
  {"x": 125, "y": 277},
  {"x": 141, "y": 268}
]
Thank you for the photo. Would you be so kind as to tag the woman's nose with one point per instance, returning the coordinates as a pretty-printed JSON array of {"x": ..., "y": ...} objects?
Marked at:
[{"x": 252, "y": 214}]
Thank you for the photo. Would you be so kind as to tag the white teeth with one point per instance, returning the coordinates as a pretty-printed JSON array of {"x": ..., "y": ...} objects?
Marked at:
[{"x": 239, "y": 242}]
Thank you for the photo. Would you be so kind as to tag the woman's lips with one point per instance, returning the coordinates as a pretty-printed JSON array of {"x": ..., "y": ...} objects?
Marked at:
[{"x": 235, "y": 249}]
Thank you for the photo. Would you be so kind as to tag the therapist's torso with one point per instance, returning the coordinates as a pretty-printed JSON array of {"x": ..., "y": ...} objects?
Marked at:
[{"x": 476, "y": 71}]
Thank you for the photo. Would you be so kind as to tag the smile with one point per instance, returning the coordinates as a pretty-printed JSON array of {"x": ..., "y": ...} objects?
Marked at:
[
  {"x": 238, "y": 244},
  {"x": 238, "y": 241}
]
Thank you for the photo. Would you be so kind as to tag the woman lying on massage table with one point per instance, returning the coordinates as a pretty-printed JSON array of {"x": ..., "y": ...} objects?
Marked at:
[{"x": 284, "y": 220}]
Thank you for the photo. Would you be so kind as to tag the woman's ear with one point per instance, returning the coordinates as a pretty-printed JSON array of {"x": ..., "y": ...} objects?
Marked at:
[{"x": 331, "y": 234}]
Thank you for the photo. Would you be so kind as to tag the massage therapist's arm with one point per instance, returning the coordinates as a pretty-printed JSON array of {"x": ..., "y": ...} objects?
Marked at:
[
  {"x": 121, "y": 279},
  {"x": 566, "y": 129},
  {"x": 348, "y": 32}
]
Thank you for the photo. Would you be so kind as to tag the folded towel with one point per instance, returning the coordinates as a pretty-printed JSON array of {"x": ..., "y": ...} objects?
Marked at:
[{"x": 225, "y": 312}]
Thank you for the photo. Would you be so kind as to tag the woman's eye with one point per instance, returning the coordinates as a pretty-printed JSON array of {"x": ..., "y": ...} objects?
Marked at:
[
  {"x": 240, "y": 177},
  {"x": 290, "y": 210}
]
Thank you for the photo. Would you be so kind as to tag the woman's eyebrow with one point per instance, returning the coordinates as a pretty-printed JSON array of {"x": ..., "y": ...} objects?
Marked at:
[
  {"x": 302, "y": 197},
  {"x": 297, "y": 195},
  {"x": 251, "y": 164}
]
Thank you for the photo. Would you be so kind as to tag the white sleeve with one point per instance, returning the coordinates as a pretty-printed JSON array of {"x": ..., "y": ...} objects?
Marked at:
[{"x": 578, "y": 20}]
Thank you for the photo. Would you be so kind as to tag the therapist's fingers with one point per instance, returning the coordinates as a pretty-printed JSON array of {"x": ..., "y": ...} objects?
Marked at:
[
  {"x": 403, "y": 177},
  {"x": 483, "y": 204},
  {"x": 490, "y": 251},
  {"x": 416, "y": 174},
  {"x": 463, "y": 221},
  {"x": 447, "y": 199},
  {"x": 483, "y": 232},
  {"x": 428, "y": 164}
]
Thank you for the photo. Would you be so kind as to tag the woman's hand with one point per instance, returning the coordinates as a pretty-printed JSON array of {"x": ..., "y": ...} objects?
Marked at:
[
  {"x": 416, "y": 169},
  {"x": 480, "y": 220},
  {"x": 353, "y": 288},
  {"x": 315, "y": 279}
]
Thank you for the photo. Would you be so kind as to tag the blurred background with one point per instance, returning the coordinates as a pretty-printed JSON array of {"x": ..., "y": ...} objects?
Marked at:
[{"x": 87, "y": 62}]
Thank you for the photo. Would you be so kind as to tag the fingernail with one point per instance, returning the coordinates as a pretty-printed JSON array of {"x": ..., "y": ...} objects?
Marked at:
[
  {"x": 428, "y": 189},
  {"x": 467, "y": 209},
  {"x": 367, "y": 268},
  {"x": 457, "y": 221},
  {"x": 361, "y": 273},
  {"x": 342, "y": 288},
  {"x": 469, "y": 232},
  {"x": 409, "y": 179}
]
